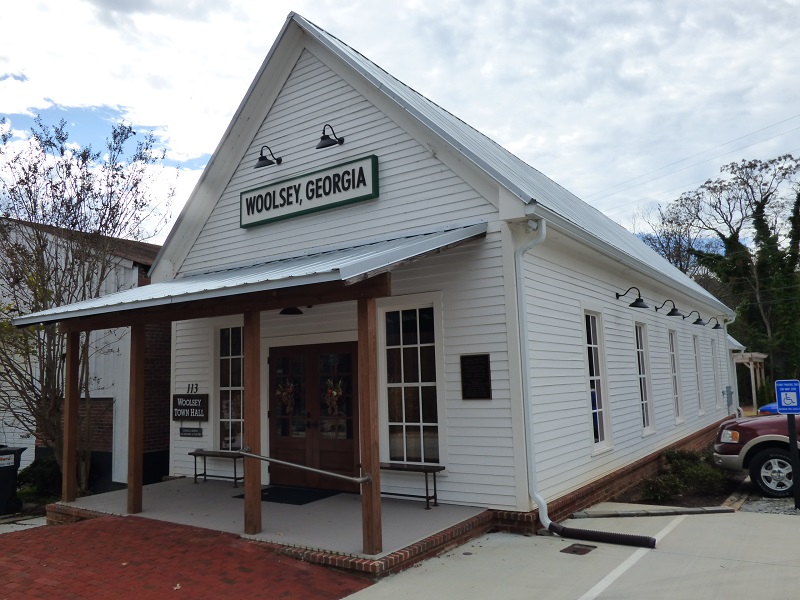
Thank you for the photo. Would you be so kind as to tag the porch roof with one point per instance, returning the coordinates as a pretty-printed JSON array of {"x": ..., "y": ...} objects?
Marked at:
[{"x": 347, "y": 265}]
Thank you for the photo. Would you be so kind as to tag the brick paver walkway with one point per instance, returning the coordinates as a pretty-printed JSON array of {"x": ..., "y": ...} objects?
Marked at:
[{"x": 131, "y": 557}]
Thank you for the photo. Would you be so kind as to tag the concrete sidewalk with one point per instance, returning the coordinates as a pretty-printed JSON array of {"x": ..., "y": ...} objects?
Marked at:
[{"x": 734, "y": 555}]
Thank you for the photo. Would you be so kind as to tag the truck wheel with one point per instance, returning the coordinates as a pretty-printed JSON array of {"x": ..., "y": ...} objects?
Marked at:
[{"x": 771, "y": 471}]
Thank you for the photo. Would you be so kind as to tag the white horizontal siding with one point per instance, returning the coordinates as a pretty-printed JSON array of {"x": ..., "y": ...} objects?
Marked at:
[
  {"x": 476, "y": 435},
  {"x": 416, "y": 189},
  {"x": 559, "y": 288}
]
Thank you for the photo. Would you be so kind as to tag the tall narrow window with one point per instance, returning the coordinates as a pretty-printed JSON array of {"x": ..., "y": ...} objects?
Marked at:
[
  {"x": 676, "y": 385},
  {"x": 411, "y": 386},
  {"x": 697, "y": 374},
  {"x": 714, "y": 366},
  {"x": 231, "y": 415},
  {"x": 645, "y": 404},
  {"x": 597, "y": 401}
]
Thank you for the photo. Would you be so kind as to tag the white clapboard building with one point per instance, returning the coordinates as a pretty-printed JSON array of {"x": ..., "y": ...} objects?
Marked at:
[{"x": 412, "y": 293}]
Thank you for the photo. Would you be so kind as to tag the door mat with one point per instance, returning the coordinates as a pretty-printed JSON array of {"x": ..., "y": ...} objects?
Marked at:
[{"x": 284, "y": 494}]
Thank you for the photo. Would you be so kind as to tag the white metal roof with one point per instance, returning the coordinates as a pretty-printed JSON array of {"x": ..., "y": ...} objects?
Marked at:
[
  {"x": 530, "y": 185},
  {"x": 347, "y": 264}
]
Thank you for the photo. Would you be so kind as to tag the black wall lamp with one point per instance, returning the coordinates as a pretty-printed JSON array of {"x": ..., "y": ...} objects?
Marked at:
[
  {"x": 291, "y": 310},
  {"x": 698, "y": 320},
  {"x": 717, "y": 326},
  {"x": 638, "y": 303},
  {"x": 265, "y": 161},
  {"x": 672, "y": 313},
  {"x": 326, "y": 142}
]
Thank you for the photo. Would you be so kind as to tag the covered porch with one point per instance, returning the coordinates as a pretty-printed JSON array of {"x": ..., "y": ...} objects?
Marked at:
[
  {"x": 360, "y": 274},
  {"x": 326, "y": 531}
]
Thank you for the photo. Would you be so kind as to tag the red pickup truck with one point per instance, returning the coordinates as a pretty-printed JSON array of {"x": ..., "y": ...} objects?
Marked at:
[{"x": 760, "y": 445}]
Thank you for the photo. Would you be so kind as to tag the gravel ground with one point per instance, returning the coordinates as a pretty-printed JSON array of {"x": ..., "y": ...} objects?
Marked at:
[{"x": 754, "y": 502}]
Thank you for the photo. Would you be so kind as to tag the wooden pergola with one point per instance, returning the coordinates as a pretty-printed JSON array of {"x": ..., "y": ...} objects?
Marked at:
[
  {"x": 754, "y": 361},
  {"x": 250, "y": 305}
]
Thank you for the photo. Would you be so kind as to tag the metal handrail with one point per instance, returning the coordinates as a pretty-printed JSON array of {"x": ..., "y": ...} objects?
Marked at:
[{"x": 367, "y": 478}]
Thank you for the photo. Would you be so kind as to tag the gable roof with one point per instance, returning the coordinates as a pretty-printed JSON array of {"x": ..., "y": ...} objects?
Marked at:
[{"x": 542, "y": 196}]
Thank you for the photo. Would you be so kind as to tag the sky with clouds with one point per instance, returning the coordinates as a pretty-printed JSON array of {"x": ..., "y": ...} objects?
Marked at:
[{"x": 625, "y": 103}]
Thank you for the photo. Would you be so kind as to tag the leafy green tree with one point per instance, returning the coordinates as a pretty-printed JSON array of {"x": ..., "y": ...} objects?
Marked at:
[
  {"x": 64, "y": 210},
  {"x": 754, "y": 212}
]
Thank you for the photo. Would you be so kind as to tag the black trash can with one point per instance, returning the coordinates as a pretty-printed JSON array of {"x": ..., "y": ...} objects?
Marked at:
[{"x": 9, "y": 466}]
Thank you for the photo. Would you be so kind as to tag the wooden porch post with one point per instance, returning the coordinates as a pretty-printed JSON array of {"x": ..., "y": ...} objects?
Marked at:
[
  {"x": 136, "y": 420},
  {"x": 69, "y": 473},
  {"x": 252, "y": 421},
  {"x": 371, "y": 524}
]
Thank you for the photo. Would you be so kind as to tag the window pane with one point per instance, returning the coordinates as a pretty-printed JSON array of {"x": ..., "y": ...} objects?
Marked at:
[
  {"x": 236, "y": 341},
  {"x": 224, "y": 434},
  {"x": 236, "y": 435},
  {"x": 224, "y": 372},
  {"x": 431, "y": 444},
  {"x": 224, "y": 342},
  {"x": 410, "y": 365},
  {"x": 224, "y": 405},
  {"x": 412, "y": 404},
  {"x": 429, "y": 409},
  {"x": 426, "y": 334},
  {"x": 393, "y": 372},
  {"x": 236, "y": 372},
  {"x": 413, "y": 444},
  {"x": 396, "y": 442},
  {"x": 393, "y": 328},
  {"x": 427, "y": 363},
  {"x": 409, "y": 327},
  {"x": 395, "y": 405},
  {"x": 236, "y": 404}
]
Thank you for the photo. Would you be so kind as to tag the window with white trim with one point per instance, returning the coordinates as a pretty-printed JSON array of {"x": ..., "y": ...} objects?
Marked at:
[
  {"x": 411, "y": 390},
  {"x": 645, "y": 403},
  {"x": 697, "y": 373},
  {"x": 597, "y": 399},
  {"x": 674, "y": 371},
  {"x": 230, "y": 389}
]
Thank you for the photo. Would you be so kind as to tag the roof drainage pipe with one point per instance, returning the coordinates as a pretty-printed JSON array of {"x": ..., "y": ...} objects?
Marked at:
[{"x": 609, "y": 537}]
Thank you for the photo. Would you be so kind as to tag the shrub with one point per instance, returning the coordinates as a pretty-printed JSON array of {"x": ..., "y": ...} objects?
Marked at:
[
  {"x": 685, "y": 471},
  {"x": 42, "y": 477},
  {"x": 659, "y": 488},
  {"x": 678, "y": 461},
  {"x": 703, "y": 478}
]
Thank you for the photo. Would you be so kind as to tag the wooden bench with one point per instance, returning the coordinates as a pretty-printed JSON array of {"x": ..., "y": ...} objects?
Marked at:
[
  {"x": 199, "y": 452},
  {"x": 410, "y": 468}
]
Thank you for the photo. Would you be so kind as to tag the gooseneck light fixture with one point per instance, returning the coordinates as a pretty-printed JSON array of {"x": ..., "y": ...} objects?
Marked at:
[
  {"x": 698, "y": 320},
  {"x": 265, "y": 161},
  {"x": 672, "y": 313},
  {"x": 326, "y": 141},
  {"x": 638, "y": 303},
  {"x": 718, "y": 325}
]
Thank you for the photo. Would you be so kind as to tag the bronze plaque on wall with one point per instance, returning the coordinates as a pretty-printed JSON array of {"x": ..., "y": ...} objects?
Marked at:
[{"x": 476, "y": 377}]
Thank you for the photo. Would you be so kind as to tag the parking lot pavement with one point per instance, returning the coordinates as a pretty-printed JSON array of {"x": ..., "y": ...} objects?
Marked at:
[
  {"x": 132, "y": 557},
  {"x": 735, "y": 555}
]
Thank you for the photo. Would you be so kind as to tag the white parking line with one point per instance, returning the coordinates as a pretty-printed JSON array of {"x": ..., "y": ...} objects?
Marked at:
[{"x": 606, "y": 581}]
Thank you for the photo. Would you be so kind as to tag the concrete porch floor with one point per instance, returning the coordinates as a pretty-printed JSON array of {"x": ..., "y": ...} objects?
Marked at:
[{"x": 326, "y": 531}]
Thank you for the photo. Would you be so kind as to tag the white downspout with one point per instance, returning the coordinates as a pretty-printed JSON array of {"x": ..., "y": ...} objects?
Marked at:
[{"x": 519, "y": 256}]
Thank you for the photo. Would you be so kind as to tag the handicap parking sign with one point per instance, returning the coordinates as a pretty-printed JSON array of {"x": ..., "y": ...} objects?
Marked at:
[{"x": 787, "y": 393}]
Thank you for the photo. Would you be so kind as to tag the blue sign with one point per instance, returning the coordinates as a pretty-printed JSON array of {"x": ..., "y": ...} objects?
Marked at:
[{"x": 787, "y": 392}]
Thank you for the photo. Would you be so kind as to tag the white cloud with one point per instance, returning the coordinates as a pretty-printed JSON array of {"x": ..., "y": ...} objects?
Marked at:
[{"x": 593, "y": 94}]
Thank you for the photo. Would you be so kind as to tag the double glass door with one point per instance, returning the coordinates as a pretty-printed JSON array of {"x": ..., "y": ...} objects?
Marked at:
[{"x": 313, "y": 415}]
